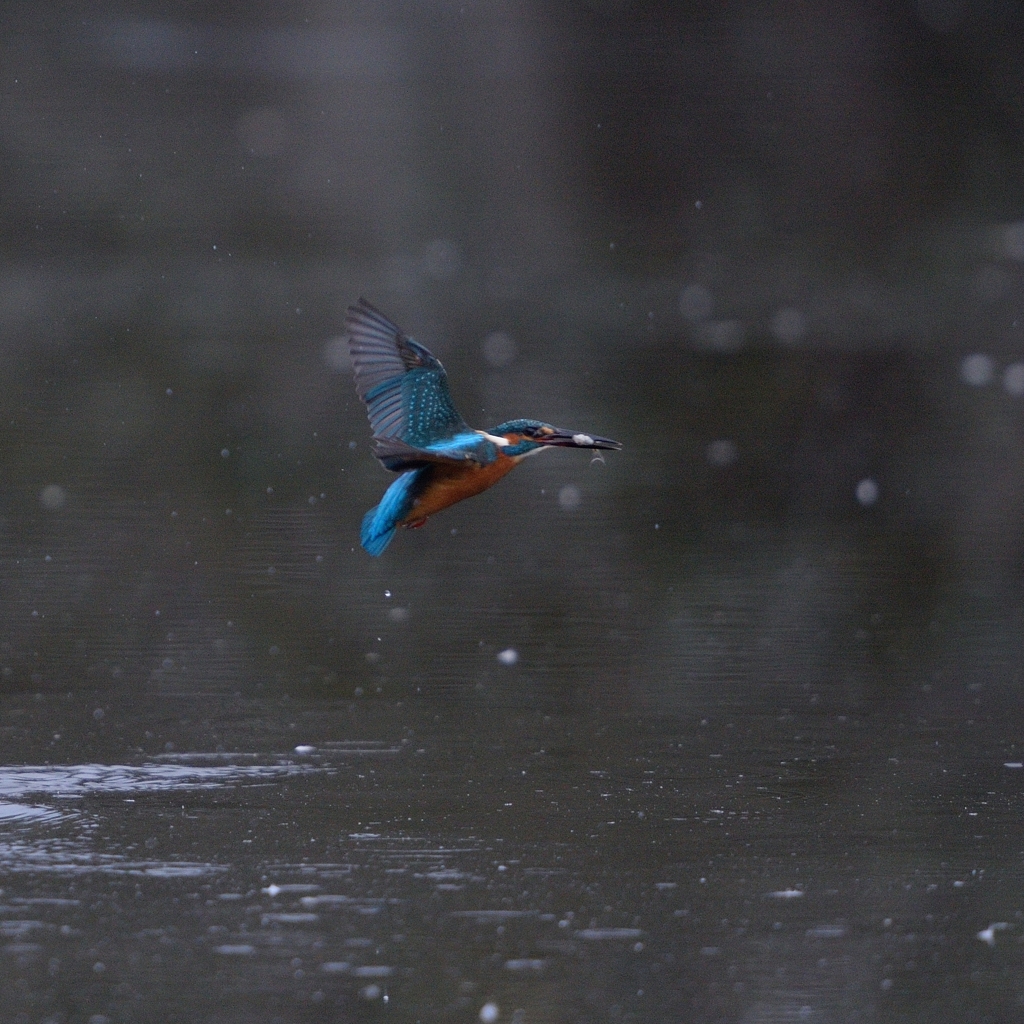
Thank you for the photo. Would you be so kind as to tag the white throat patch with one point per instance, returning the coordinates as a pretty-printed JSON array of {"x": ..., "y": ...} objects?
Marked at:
[{"x": 501, "y": 442}]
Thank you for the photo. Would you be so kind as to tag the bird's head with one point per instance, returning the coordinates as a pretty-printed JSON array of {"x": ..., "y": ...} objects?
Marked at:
[{"x": 527, "y": 436}]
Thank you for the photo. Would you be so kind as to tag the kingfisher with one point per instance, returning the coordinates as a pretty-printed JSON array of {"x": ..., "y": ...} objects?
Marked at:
[{"x": 418, "y": 433}]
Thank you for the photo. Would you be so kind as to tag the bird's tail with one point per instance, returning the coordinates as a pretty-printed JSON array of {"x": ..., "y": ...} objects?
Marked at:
[
  {"x": 375, "y": 535},
  {"x": 380, "y": 523}
]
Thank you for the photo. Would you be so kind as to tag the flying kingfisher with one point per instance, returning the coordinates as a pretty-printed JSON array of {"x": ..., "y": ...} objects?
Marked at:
[{"x": 418, "y": 433}]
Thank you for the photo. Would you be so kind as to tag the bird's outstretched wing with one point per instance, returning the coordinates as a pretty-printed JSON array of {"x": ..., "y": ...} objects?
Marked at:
[
  {"x": 469, "y": 447},
  {"x": 405, "y": 390}
]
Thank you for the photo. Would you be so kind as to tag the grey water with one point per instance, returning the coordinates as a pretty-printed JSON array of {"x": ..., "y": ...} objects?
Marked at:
[
  {"x": 454, "y": 857},
  {"x": 722, "y": 727}
]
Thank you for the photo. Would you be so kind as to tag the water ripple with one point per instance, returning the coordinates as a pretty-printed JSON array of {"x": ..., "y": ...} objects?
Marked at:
[{"x": 72, "y": 780}]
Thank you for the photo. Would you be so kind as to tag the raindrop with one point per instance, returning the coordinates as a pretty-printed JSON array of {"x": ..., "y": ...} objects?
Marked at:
[
  {"x": 1013, "y": 241},
  {"x": 988, "y": 935},
  {"x": 867, "y": 492},
  {"x": 489, "y": 1013},
  {"x": 977, "y": 369},
  {"x": 499, "y": 349},
  {"x": 335, "y": 967},
  {"x": 234, "y": 949},
  {"x": 789, "y": 325},
  {"x": 53, "y": 497},
  {"x": 225, "y": 452},
  {"x": 719, "y": 336},
  {"x": 721, "y": 453},
  {"x": 509, "y": 656},
  {"x": 336, "y": 354},
  {"x": 1013, "y": 379},
  {"x": 569, "y": 498}
]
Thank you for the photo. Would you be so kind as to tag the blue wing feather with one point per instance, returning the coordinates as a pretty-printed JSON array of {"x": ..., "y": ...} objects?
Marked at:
[
  {"x": 385, "y": 408},
  {"x": 405, "y": 390},
  {"x": 379, "y": 349},
  {"x": 397, "y": 455}
]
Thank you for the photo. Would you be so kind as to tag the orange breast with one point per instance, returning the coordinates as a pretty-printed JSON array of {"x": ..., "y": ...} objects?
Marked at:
[{"x": 449, "y": 484}]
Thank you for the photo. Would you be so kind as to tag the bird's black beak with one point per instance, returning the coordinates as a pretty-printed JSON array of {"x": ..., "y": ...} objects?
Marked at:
[{"x": 576, "y": 439}]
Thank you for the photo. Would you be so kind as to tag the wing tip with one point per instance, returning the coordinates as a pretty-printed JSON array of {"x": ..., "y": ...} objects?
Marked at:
[
  {"x": 362, "y": 304},
  {"x": 362, "y": 311}
]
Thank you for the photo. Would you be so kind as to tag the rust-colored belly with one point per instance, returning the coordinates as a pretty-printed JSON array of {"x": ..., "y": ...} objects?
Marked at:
[{"x": 449, "y": 484}]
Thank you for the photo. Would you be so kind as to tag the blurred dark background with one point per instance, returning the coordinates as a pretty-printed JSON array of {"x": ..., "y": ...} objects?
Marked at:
[{"x": 777, "y": 250}]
